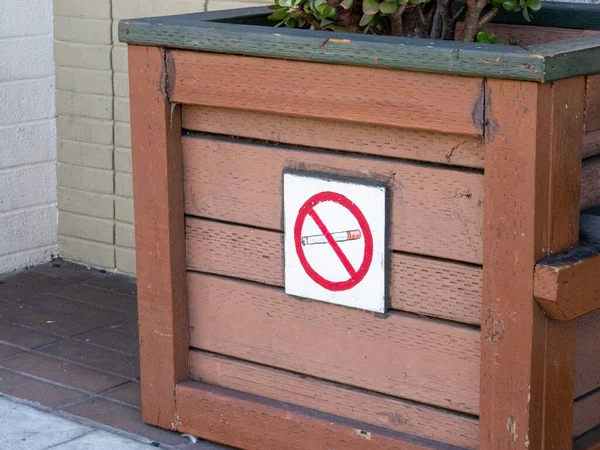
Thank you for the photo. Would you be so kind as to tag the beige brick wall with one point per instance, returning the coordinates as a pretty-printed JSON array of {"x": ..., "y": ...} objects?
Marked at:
[{"x": 94, "y": 143}]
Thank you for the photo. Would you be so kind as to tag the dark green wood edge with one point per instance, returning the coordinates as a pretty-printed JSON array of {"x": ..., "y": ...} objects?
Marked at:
[{"x": 210, "y": 32}]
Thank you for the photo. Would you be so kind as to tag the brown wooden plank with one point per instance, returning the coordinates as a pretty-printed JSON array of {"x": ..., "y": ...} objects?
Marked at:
[
  {"x": 433, "y": 362},
  {"x": 434, "y": 211},
  {"x": 376, "y": 140},
  {"x": 592, "y": 110},
  {"x": 587, "y": 363},
  {"x": 586, "y": 413},
  {"x": 443, "y": 103},
  {"x": 590, "y": 183},
  {"x": 568, "y": 286},
  {"x": 388, "y": 412},
  {"x": 160, "y": 240},
  {"x": 421, "y": 285},
  {"x": 588, "y": 441},
  {"x": 532, "y": 188},
  {"x": 251, "y": 422}
]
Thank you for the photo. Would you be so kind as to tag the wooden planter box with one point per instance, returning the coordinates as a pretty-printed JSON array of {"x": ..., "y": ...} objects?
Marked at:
[{"x": 481, "y": 150}]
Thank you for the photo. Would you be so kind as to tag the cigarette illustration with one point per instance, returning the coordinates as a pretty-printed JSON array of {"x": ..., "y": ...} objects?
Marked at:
[{"x": 340, "y": 236}]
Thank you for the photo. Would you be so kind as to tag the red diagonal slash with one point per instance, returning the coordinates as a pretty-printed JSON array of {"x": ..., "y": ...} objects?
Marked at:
[{"x": 336, "y": 247}]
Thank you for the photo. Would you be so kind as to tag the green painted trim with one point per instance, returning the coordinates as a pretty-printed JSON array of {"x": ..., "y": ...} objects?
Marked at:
[{"x": 239, "y": 32}]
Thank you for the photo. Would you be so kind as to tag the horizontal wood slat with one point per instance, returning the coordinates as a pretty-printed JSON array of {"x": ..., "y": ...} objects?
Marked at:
[
  {"x": 586, "y": 413},
  {"x": 420, "y": 285},
  {"x": 592, "y": 111},
  {"x": 587, "y": 363},
  {"x": 424, "y": 101},
  {"x": 336, "y": 135},
  {"x": 434, "y": 211},
  {"x": 247, "y": 421},
  {"x": 409, "y": 357},
  {"x": 568, "y": 286},
  {"x": 398, "y": 415}
]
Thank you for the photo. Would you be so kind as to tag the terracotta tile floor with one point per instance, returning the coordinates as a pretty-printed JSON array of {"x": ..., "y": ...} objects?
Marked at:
[{"x": 68, "y": 341}]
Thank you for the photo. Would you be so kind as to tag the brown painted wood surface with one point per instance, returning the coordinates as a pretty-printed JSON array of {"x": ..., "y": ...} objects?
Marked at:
[
  {"x": 420, "y": 285},
  {"x": 587, "y": 367},
  {"x": 160, "y": 239},
  {"x": 434, "y": 211},
  {"x": 466, "y": 151},
  {"x": 443, "y": 103},
  {"x": 388, "y": 412},
  {"x": 376, "y": 140},
  {"x": 406, "y": 356},
  {"x": 532, "y": 197},
  {"x": 587, "y": 413},
  {"x": 571, "y": 288},
  {"x": 590, "y": 183},
  {"x": 250, "y": 422},
  {"x": 592, "y": 112}
]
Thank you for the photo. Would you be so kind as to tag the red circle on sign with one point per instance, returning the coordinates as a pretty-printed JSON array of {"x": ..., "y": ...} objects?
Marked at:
[{"x": 308, "y": 209}]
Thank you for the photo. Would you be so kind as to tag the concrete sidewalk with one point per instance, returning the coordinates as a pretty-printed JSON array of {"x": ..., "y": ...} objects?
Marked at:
[{"x": 25, "y": 428}]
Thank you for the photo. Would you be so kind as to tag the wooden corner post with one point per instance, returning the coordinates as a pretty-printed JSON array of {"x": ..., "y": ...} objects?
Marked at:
[
  {"x": 534, "y": 137},
  {"x": 159, "y": 234}
]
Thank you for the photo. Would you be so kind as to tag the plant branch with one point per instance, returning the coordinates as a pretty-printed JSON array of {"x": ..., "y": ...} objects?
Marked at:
[
  {"x": 396, "y": 21},
  {"x": 459, "y": 14},
  {"x": 489, "y": 16}
]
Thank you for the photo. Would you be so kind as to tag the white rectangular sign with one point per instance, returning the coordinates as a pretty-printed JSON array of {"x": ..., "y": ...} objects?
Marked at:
[{"x": 335, "y": 241}]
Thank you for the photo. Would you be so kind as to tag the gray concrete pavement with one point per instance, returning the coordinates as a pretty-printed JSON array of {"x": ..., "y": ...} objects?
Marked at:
[{"x": 25, "y": 428}]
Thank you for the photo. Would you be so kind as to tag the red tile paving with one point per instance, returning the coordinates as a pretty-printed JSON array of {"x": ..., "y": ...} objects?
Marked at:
[{"x": 68, "y": 341}]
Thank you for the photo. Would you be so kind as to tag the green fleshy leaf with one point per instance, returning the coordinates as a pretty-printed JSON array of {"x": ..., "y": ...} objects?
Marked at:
[
  {"x": 347, "y": 4},
  {"x": 388, "y": 7},
  {"x": 326, "y": 22},
  {"x": 366, "y": 19},
  {"x": 526, "y": 15},
  {"x": 290, "y": 22},
  {"x": 279, "y": 15},
  {"x": 370, "y": 7}
]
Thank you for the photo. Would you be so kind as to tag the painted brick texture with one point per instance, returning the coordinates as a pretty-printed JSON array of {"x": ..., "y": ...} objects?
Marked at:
[
  {"x": 28, "y": 211},
  {"x": 94, "y": 136}
]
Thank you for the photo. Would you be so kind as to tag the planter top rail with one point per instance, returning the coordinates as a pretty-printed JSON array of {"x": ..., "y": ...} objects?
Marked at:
[{"x": 247, "y": 32}]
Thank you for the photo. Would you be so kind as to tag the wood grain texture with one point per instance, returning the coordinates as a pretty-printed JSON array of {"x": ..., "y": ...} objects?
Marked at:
[
  {"x": 568, "y": 286},
  {"x": 419, "y": 285},
  {"x": 405, "y": 356},
  {"x": 434, "y": 211},
  {"x": 159, "y": 236},
  {"x": 251, "y": 422},
  {"x": 382, "y": 411},
  {"x": 587, "y": 413},
  {"x": 375, "y": 140},
  {"x": 590, "y": 183},
  {"x": 532, "y": 197},
  {"x": 587, "y": 365},
  {"x": 440, "y": 103},
  {"x": 592, "y": 109}
]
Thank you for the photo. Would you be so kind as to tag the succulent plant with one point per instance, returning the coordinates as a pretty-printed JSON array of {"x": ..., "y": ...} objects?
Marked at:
[{"x": 433, "y": 19}]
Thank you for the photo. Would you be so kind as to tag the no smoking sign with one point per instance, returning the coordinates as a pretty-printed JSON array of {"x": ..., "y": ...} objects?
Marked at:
[{"x": 335, "y": 241}]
